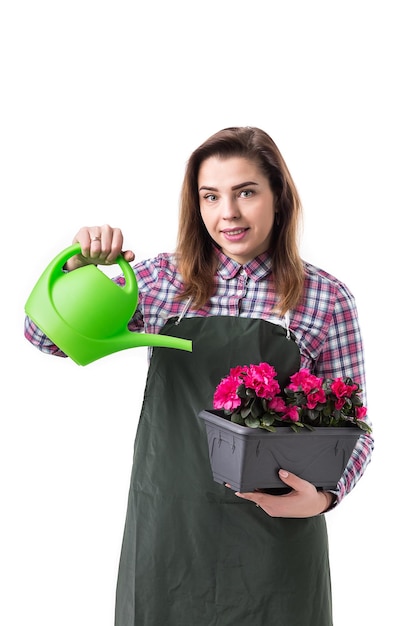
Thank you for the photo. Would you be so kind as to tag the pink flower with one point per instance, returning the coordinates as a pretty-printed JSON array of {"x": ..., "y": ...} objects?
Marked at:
[
  {"x": 341, "y": 389},
  {"x": 277, "y": 404},
  {"x": 261, "y": 379},
  {"x": 238, "y": 371},
  {"x": 225, "y": 397},
  {"x": 304, "y": 381},
  {"x": 292, "y": 414},
  {"x": 315, "y": 397},
  {"x": 360, "y": 412}
]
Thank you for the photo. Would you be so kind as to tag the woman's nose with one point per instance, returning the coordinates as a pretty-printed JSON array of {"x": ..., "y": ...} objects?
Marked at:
[{"x": 230, "y": 209}]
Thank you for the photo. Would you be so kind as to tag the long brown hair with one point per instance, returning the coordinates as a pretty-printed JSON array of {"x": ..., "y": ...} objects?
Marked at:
[{"x": 195, "y": 251}]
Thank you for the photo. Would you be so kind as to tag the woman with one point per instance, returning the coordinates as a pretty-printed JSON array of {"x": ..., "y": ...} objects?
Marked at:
[{"x": 194, "y": 552}]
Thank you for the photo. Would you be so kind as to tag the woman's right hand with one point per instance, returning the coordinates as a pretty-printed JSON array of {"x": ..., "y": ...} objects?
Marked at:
[{"x": 100, "y": 245}]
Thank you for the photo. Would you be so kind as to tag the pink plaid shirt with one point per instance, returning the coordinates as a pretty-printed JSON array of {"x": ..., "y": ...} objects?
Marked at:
[{"x": 325, "y": 323}]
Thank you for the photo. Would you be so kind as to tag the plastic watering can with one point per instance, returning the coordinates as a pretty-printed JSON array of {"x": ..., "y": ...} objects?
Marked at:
[{"x": 85, "y": 313}]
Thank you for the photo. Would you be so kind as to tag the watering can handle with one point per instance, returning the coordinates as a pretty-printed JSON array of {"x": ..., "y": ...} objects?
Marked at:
[{"x": 129, "y": 274}]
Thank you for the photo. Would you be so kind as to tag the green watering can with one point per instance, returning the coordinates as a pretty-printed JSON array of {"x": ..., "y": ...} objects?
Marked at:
[{"x": 86, "y": 314}]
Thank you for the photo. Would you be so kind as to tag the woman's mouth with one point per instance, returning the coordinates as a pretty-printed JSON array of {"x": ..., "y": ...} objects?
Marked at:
[{"x": 235, "y": 234}]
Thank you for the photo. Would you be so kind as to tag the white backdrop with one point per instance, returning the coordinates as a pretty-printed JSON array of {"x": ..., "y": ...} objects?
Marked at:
[{"x": 101, "y": 105}]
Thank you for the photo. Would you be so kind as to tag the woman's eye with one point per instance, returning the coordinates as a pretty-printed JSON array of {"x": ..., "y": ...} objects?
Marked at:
[
  {"x": 210, "y": 197},
  {"x": 246, "y": 193}
]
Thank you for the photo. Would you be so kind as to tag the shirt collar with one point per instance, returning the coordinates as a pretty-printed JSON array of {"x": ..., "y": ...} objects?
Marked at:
[{"x": 256, "y": 269}]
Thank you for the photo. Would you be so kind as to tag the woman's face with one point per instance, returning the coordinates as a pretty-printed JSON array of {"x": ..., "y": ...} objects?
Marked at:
[{"x": 237, "y": 206}]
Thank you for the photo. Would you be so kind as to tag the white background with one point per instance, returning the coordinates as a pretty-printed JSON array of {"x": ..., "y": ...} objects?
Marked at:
[{"x": 101, "y": 105}]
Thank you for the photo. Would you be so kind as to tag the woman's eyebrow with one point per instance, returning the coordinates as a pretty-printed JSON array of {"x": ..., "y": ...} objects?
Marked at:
[
  {"x": 239, "y": 186},
  {"x": 245, "y": 184}
]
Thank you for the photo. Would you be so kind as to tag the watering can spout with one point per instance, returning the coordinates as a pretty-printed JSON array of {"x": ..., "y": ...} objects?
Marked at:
[{"x": 86, "y": 314}]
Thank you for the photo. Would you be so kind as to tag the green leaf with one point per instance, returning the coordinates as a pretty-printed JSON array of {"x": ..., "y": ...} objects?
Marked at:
[
  {"x": 313, "y": 414},
  {"x": 241, "y": 391},
  {"x": 256, "y": 409},
  {"x": 267, "y": 419},
  {"x": 237, "y": 419},
  {"x": 246, "y": 411},
  {"x": 251, "y": 422},
  {"x": 328, "y": 409},
  {"x": 271, "y": 429},
  {"x": 363, "y": 425}
]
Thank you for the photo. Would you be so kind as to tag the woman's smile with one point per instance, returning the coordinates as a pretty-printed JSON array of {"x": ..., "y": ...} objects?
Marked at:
[{"x": 236, "y": 234}]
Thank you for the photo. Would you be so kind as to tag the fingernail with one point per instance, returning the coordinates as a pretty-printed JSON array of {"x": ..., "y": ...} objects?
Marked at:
[{"x": 283, "y": 473}]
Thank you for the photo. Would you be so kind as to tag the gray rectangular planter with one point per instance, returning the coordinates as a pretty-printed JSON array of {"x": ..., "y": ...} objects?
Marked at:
[{"x": 249, "y": 459}]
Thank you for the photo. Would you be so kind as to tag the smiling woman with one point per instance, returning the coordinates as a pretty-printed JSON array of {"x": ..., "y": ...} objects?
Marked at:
[
  {"x": 194, "y": 551},
  {"x": 237, "y": 205}
]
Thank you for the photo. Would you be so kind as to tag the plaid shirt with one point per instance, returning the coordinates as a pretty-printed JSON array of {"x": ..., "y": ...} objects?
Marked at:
[{"x": 325, "y": 322}]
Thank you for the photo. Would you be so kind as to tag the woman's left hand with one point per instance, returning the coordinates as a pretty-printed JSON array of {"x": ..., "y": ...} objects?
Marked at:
[{"x": 303, "y": 501}]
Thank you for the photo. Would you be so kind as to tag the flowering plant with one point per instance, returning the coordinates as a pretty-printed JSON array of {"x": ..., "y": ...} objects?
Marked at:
[{"x": 252, "y": 397}]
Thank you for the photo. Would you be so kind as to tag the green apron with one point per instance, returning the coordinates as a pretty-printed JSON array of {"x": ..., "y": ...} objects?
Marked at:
[{"x": 193, "y": 553}]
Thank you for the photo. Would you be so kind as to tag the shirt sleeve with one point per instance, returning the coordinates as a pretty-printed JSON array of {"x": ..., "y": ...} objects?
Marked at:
[
  {"x": 38, "y": 339},
  {"x": 343, "y": 355}
]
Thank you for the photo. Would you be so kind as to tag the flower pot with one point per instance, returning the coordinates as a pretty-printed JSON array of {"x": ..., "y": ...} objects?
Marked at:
[{"x": 249, "y": 458}]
